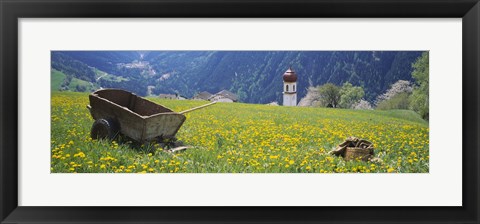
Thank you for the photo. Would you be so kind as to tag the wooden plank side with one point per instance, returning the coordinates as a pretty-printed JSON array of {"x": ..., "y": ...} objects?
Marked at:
[{"x": 166, "y": 124}]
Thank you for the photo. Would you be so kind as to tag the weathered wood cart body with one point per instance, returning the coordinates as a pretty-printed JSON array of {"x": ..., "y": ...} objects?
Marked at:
[{"x": 134, "y": 116}]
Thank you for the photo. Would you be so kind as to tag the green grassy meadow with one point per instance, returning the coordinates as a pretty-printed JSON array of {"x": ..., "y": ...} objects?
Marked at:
[
  {"x": 242, "y": 138},
  {"x": 56, "y": 79}
]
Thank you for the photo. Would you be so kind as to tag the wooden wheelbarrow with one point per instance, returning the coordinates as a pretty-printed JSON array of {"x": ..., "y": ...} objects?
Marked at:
[{"x": 118, "y": 111}]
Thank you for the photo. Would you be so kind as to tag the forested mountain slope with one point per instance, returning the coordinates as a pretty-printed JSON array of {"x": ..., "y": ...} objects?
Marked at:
[{"x": 256, "y": 76}]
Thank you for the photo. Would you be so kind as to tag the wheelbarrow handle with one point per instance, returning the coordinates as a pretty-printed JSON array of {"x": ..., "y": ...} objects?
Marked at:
[{"x": 196, "y": 108}]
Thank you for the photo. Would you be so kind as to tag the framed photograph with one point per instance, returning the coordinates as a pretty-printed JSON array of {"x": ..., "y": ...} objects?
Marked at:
[{"x": 249, "y": 112}]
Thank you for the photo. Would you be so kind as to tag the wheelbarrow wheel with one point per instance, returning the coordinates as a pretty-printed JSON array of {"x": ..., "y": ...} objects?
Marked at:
[{"x": 104, "y": 129}]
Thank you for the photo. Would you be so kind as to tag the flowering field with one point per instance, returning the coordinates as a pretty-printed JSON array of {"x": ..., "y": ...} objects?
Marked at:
[{"x": 242, "y": 138}]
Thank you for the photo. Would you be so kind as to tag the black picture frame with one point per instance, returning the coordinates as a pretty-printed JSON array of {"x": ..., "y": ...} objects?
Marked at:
[{"x": 11, "y": 11}]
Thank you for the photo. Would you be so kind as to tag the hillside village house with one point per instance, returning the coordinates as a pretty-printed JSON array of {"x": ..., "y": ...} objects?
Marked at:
[
  {"x": 171, "y": 96},
  {"x": 202, "y": 96},
  {"x": 167, "y": 96},
  {"x": 224, "y": 96}
]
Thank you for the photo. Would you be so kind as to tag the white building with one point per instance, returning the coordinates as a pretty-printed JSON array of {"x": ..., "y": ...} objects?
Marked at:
[
  {"x": 218, "y": 98},
  {"x": 224, "y": 96},
  {"x": 171, "y": 96},
  {"x": 289, "y": 88},
  {"x": 202, "y": 96}
]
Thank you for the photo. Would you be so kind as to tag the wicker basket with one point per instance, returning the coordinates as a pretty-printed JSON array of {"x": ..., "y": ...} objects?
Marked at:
[{"x": 352, "y": 153}]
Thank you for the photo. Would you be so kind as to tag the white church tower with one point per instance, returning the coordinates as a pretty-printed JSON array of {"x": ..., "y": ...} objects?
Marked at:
[{"x": 289, "y": 88}]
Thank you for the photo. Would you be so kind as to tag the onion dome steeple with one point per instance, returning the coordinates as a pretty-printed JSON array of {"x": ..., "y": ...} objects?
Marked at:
[{"x": 289, "y": 75}]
